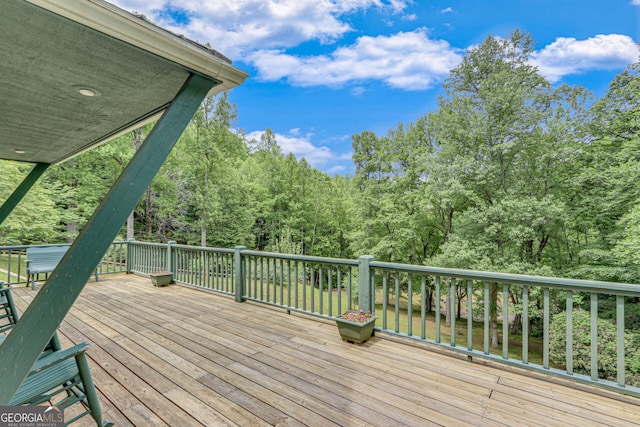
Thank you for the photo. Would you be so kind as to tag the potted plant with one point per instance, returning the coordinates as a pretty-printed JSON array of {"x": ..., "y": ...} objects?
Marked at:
[
  {"x": 161, "y": 278},
  {"x": 356, "y": 326}
]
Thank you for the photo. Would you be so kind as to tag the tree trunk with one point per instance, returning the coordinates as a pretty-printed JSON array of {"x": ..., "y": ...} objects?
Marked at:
[
  {"x": 130, "y": 226},
  {"x": 447, "y": 314},
  {"x": 72, "y": 229},
  {"x": 493, "y": 314},
  {"x": 516, "y": 326},
  {"x": 459, "y": 297},
  {"x": 203, "y": 230}
]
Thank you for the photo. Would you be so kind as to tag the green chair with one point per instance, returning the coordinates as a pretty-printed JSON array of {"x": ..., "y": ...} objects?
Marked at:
[{"x": 57, "y": 371}]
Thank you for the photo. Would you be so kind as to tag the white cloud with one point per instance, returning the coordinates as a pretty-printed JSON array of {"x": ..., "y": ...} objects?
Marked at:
[
  {"x": 570, "y": 56},
  {"x": 336, "y": 169},
  {"x": 358, "y": 90},
  {"x": 260, "y": 32},
  {"x": 236, "y": 27},
  {"x": 409, "y": 61},
  {"x": 301, "y": 146}
]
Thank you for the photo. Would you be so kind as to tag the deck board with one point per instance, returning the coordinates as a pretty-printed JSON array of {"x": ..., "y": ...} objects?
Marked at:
[{"x": 180, "y": 356}]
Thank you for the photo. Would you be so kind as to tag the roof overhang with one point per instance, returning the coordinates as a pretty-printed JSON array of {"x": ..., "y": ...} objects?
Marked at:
[{"x": 54, "y": 51}]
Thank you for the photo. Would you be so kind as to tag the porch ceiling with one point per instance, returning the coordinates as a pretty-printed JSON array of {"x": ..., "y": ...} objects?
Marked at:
[{"x": 50, "y": 52}]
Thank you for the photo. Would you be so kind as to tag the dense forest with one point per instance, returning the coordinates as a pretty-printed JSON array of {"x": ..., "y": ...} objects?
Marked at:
[{"x": 509, "y": 173}]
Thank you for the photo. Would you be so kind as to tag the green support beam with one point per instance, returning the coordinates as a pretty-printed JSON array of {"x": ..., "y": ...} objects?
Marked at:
[
  {"x": 22, "y": 189},
  {"x": 23, "y": 345}
]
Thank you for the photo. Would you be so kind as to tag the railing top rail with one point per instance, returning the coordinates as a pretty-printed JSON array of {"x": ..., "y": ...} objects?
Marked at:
[
  {"x": 189, "y": 247},
  {"x": 203, "y": 248},
  {"x": 136, "y": 242},
  {"x": 46, "y": 245},
  {"x": 305, "y": 258},
  {"x": 612, "y": 288}
]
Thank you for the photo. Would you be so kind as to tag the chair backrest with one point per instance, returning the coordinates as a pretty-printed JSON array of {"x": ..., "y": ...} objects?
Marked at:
[
  {"x": 9, "y": 317},
  {"x": 8, "y": 313},
  {"x": 44, "y": 259}
]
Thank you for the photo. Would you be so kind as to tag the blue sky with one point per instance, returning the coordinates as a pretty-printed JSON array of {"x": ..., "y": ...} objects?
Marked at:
[{"x": 323, "y": 70}]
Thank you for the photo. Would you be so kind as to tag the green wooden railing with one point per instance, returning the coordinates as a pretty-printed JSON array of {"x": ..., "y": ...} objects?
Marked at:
[
  {"x": 417, "y": 302},
  {"x": 13, "y": 262},
  {"x": 525, "y": 298},
  {"x": 443, "y": 307},
  {"x": 313, "y": 285}
]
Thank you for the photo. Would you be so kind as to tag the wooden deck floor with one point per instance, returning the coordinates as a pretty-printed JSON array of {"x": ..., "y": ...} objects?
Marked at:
[{"x": 179, "y": 356}]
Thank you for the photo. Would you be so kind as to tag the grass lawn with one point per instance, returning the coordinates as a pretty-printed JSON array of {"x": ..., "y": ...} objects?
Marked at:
[
  {"x": 311, "y": 299},
  {"x": 4, "y": 267}
]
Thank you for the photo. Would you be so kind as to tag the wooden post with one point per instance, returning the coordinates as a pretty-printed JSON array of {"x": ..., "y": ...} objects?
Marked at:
[
  {"x": 170, "y": 257},
  {"x": 130, "y": 255},
  {"x": 240, "y": 273},
  {"x": 365, "y": 299}
]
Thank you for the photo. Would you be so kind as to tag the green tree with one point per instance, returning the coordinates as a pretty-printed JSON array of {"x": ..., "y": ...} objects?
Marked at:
[
  {"x": 581, "y": 346},
  {"x": 78, "y": 185},
  {"x": 35, "y": 219},
  {"x": 203, "y": 158},
  {"x": 504, "y": 139},
  {"x": 607, "y": 182}
]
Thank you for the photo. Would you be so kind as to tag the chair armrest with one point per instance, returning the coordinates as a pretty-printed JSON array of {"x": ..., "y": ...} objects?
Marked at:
[{"x": 57, "y": 357}]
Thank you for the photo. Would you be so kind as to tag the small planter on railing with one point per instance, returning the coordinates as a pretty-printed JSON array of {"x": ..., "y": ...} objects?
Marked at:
[
  {"x": 161, "y": 278},
  {"x": 356, "y": 326}
]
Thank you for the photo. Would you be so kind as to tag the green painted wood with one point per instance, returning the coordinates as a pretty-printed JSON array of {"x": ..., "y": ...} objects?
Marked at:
[
  {"x": 385, "y": 290},
  {"x": 609, "y": 288},
  {"x": 620, "y": 339},
  {"x": 320, "y": 287},
  {"x": 487, "y": 317},
  {"x": 268, "y": 285},
  {"x": 297, "y": 287},
  {"x": 525, "y": 324},
  {"x": 423, "y": 308},
  {"x": 594, "y": 336},
  {"x": 410, "y": 307},
  {"x": 22, "y": 189},
  {"x": 50, "y": 306},
  {"x": 569, "y": 333},
  {"x": 262, "y": 283},
  {"x": 438, "y": 300},
  {"x": 289, "y": 285},
  {"x": 396, "y": 311},
  {"x": 469, "y": 315},
  {"x": 452, "y": 311},
  {"x": 365, "y": 300},
  {"x": 545, "y": 328},
  {"x": 505, "y": 321},
  {"x": 274, "y": 280},
  {"x": 281, "y": 266},
  {"x": 170, "y": 266},
  {"x": 240, "y": 273}
]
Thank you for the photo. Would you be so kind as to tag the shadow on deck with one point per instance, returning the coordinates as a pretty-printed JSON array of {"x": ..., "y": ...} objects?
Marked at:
[{"x": 180, "y": 356}]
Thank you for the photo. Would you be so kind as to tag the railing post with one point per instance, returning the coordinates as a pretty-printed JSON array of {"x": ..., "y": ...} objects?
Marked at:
[
  {"x": 365, "y": 300},
  {"x": 130, "y": 254},
  {"x": 169, "y": 256},
  {"x": 240, "y": 273}
]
